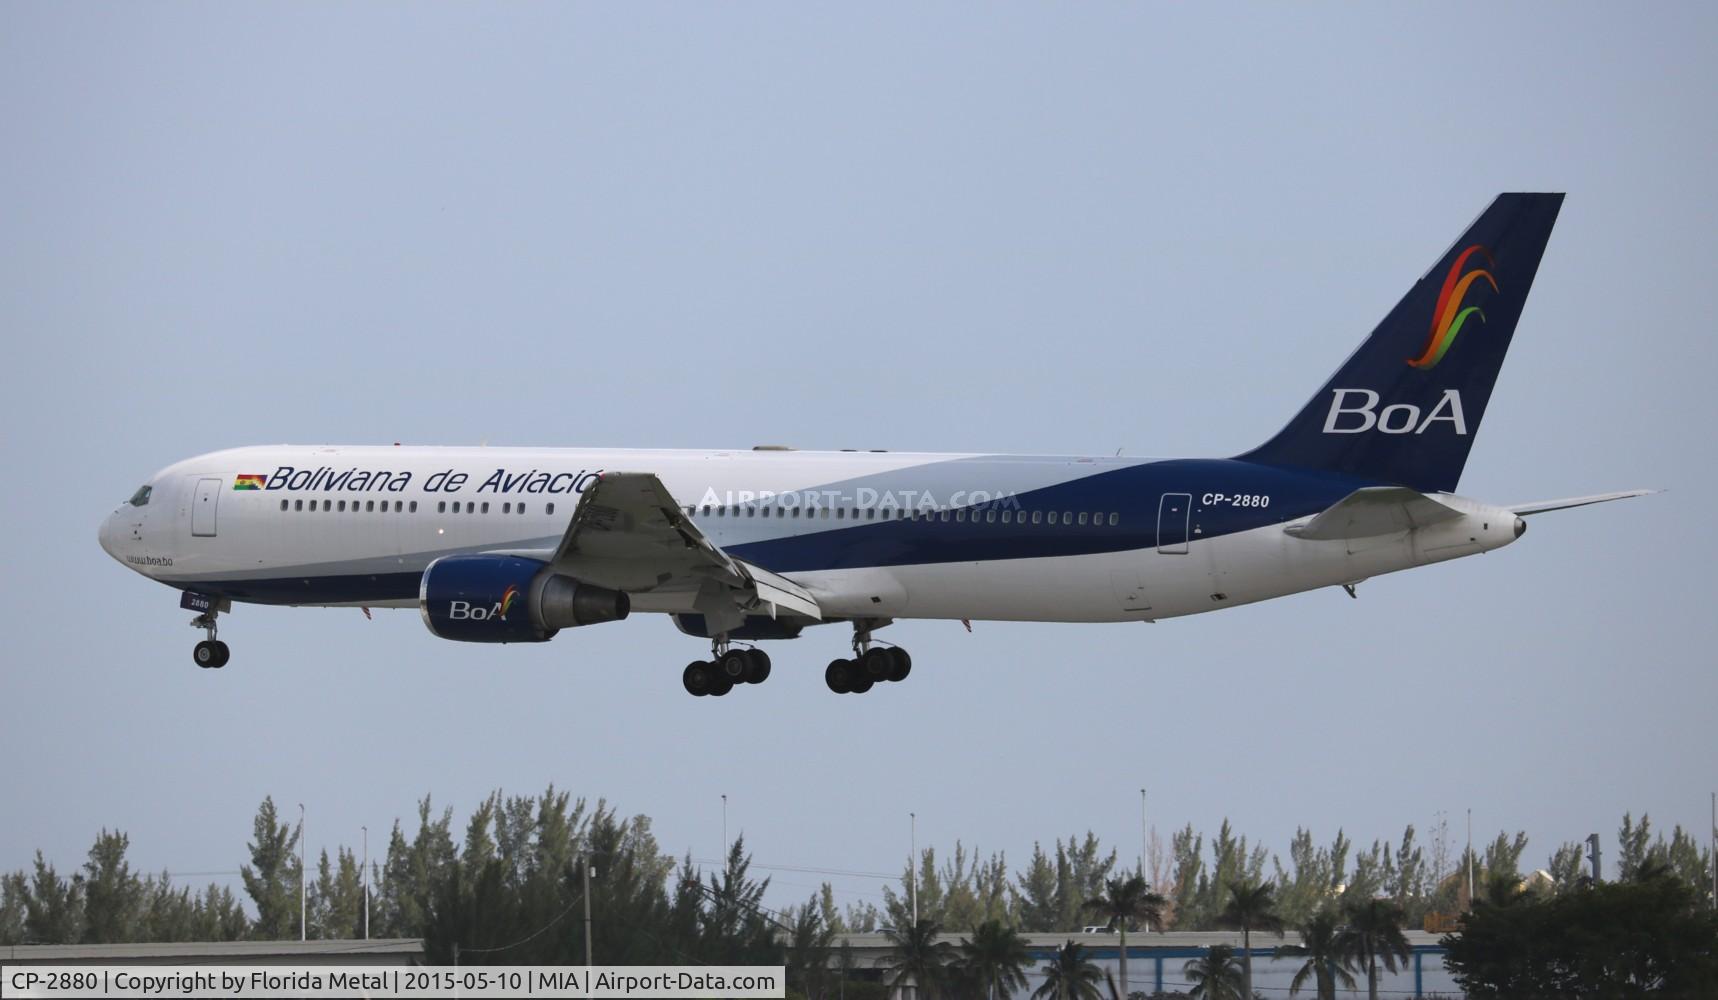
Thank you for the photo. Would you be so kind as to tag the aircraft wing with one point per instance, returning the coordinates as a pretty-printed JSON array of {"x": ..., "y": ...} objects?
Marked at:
[
  {"x": 628, "y": 533},
  {"x": 1542, "y": 506},
  {"x": 1373, "y": 510}
]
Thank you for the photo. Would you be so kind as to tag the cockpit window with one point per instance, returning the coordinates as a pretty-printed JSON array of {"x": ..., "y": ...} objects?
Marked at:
[{"x": 141, "y": 497}]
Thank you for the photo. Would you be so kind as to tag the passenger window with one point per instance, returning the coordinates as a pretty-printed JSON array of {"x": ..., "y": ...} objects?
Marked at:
[
  {"x": 521, "y": 508},
  {"x": 414, "y": 506},
  {"x": 1007, "y": 517},
  {"x": 1082, "y": 518},
  {"x": 751, "y": 512},
  {"x": 1052, "y": 517},
  {"x": 486, "y": 506},
  {"x": 990, "y": 517},
  {"x": 298, "y": 505},
  {"x": 1114, "y": 520},
  {"x": 706, "y": 510},
  {"x": 551, "y": 509},
  {"x": 343, "y": 506},
  {"x": 282, "y": 507},
  {"x": 1067, "y": 517},
  {"x": 507, "y": 508},
  {"x": 441, "y": 507}
]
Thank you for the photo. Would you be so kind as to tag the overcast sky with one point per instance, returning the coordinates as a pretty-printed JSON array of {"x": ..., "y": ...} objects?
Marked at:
[{"x": 997, "y": 227}]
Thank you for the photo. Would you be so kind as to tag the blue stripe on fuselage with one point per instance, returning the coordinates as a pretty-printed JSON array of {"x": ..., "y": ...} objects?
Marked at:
[{"x": 1132, "y": 492}]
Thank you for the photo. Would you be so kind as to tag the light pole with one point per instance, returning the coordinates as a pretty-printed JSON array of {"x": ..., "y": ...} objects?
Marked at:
[
  {"x": 586, "y": 865},
  {"x": 1470, "y": 857},
  {"x": 724, "y": 828},
  {"x": 1144, "y": 837},
  {"x": 1715, "y": 850},
  {"x": 366, "y": 881},
  {"x": 301, "y": 871},
  {"x": 913, "y": 866}
]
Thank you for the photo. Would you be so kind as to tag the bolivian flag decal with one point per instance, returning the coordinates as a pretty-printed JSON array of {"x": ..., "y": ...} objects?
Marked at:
[{"x": 249, "y": 482}]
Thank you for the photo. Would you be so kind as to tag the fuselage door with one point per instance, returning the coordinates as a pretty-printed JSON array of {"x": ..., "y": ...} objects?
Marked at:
[
  {"x": 1174, "y": 513},
  {"x": 203, "y": 508}
]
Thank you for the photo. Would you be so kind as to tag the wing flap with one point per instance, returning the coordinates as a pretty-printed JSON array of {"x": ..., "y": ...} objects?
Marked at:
[{"x": 629, "y": 533}]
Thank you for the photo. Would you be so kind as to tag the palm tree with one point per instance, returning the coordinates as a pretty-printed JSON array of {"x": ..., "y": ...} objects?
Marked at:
[
  {"x": 1217, "y": 976},
  {"x": 916, "y": 954},
  {"x": 996, "y": 957},
  {"x": 1123, "y": 902},
  {"x": 1374, "y": 932},
  {"x": 1072, "y": 976},
  {"x": 1250, "y": 907},
  {"x": 1321, "y": 945}
]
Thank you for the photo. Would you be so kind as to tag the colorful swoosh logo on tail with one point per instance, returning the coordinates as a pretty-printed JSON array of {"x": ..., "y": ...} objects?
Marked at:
[
  {"x": 507, "y": 598},
  {"x": 1449, "y": 317}
]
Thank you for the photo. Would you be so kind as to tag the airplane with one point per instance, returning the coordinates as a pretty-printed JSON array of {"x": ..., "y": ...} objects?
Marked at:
[{"x": 501, "y": 545}]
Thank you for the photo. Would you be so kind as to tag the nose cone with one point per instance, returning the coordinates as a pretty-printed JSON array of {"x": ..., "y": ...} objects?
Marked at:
[{"x": 108, "y": 533}]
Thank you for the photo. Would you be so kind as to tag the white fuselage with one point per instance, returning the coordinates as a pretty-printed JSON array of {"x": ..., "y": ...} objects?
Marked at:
[{"x": 870, "y": 534}]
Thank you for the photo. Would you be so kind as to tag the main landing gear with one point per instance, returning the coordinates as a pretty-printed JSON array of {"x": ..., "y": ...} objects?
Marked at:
[
  {"x": 871, "y": 664},
  {"x": 727, "y": 667},
  {"x": 211, "y": 653}
]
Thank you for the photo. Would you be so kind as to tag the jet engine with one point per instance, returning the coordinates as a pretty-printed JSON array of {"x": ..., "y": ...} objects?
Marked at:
[{"x": 482, "y": 598}]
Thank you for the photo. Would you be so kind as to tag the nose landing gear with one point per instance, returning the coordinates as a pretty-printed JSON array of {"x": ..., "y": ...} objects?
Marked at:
[{"x": 211, "y": 653}]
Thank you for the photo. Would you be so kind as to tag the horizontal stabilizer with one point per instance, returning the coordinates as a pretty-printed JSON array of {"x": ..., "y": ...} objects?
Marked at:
[
  {"x": 1373, "y": 510},
  {"x": 1542, "y": 506}
]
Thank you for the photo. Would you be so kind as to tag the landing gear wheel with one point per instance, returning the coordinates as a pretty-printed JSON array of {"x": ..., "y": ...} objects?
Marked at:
[
  {"x": 876, "y": 663},
  {"x": 901, "y": 664},
  {"x": 207, "y": 654},
  {"x": 222, "y": 654},
  {"x": 839, "y": 676},
  {"x": 758, "y": 667},
  {"x": 862, "y": 684},
  {"x": 699, "y": 678},
  {"x": 721, "y": 686},
  {"x": 733, "y": 666}
]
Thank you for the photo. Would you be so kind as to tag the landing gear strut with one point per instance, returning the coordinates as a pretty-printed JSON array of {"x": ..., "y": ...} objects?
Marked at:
[
  {"x": 871, "y": 663},
  {"x": 728, "y": 667},
  {"x": 211, "y": 653}
]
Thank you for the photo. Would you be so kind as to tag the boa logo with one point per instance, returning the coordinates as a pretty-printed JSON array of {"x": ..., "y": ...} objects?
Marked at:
[
  {"x": 462, "y": 611},
  {"x": 1353, "y": 411},
  {"x": 1449, "y": 316}
]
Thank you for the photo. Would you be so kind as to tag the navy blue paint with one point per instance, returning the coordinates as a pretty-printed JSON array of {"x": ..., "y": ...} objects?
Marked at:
[
  {"x": 479, "y": 585},
  {"x": 1514, "y": 231},
  {"x": 1133, "y": 492}
]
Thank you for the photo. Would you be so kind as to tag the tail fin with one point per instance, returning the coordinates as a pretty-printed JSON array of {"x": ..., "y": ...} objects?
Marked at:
[{"x": 1406, "y": 406}]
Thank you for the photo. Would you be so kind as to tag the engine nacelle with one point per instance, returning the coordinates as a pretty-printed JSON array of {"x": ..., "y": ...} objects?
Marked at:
[{"x": 478, "y": 598}]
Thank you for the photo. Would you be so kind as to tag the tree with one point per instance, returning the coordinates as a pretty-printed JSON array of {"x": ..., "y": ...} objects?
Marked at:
[
  {"x": 272, "y": 877},
  {"x": 1374, "y": 933},
  {"x": 916, "y": 956},
  {"x": 996, "y": 957},
  {"x": 1250, "y": 906},
  {"x": 1071, "y": 976},
  {"x": 1123, "y": 902},
  {"x": 1217, "y": 976},
  {"x": 113, "y": 895},
  {"x": 1616, "y": 939},
  {"x": 1321, "y": 946},
  {"x": 53, "y": 906},
  {"x": 808, "y": 948},
  {"x": 1633, "y": 843}
]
